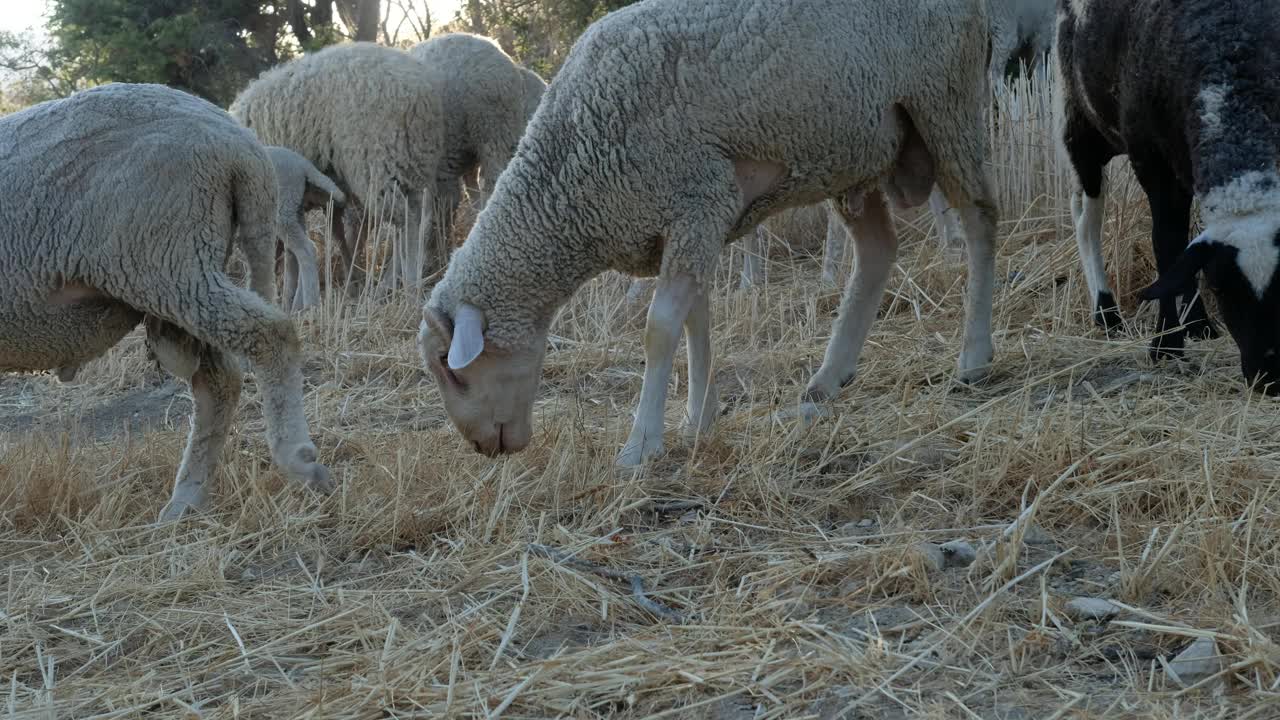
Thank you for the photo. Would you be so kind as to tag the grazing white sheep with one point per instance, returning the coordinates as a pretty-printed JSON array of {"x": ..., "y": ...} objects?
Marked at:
[
  {"x": 1190, "y": 91},
  {"x": 488, "y": 99},
  {"x": 1020, "y": 29},
  {"x": 131, "y": 195},
  {"x": 675, "y": 127},
  {"x": 301, "y": 188},
  {"x": 368, "y": 116}
]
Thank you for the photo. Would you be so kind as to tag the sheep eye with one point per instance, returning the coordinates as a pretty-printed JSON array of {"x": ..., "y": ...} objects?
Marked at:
[{"x": 450, "y": 376}]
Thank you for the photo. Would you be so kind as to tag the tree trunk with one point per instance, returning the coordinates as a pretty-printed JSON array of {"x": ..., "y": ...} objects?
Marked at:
[
  {"x": 367, "y": 17},
  {"x": 298, "y": 21},
  {"x": 475, "y": 13}
]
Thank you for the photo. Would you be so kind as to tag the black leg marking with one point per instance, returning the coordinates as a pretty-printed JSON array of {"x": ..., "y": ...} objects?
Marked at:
[{"x": 1106, "y": 312}]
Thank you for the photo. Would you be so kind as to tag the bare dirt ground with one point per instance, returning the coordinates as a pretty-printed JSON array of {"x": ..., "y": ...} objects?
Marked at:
[{"x": 915, "y": 554}]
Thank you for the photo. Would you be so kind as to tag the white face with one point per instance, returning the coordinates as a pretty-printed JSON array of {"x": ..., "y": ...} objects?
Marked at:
[{"x": 488, "y": 394}]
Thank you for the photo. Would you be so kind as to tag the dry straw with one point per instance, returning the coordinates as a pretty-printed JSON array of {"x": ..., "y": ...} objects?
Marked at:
[{"x": 765, "y": 573}]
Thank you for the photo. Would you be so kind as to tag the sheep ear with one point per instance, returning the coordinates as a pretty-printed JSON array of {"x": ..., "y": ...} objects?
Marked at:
[
  {"x": 1182, "y": 275},
  {"x": 468, "y": 336}
]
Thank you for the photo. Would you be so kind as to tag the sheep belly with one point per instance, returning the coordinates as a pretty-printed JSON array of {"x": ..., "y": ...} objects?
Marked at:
[{"x": 62, "y": 335}]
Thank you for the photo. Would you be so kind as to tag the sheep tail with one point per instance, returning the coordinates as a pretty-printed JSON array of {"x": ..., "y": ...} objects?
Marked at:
[{"x": 321, "y": 182}]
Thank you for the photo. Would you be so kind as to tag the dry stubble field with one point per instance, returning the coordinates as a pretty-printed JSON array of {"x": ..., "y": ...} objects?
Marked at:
[{"x": 780, "y": 573}]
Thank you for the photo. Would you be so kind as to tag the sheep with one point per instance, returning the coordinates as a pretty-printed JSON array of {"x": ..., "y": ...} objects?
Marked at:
[
  {"x": 1020, "y": 29},
  {"x": 655, "y": 145},
  {"x": 487, "y": 101},
  {"x": 130, "y": 198},
  {"x": 301, "y": 188},
  {"x": 371, "y": 118},
  {"x": 1190, "y": 91}
]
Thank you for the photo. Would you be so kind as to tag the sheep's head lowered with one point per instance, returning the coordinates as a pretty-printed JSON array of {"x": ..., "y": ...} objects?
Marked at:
[
  {"x": 487, "y": 392},
  {"x": 1239, "y": 253}
]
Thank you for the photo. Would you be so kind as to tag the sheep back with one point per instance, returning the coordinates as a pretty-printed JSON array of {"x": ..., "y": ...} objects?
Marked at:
[
  {"x": 368, "y": 116},
  {"x": 124, "y": 190},
  {"x": 631, "y": 154},
  {"x": 486, "y": 101}
]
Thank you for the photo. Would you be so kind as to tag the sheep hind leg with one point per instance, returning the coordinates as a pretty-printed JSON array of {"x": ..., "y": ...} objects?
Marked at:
[
  {"x": 704, "y": 400},
  {"x": 302, "y": 266},
  {"x": 347, "y": 227},
  {"x": 835, "y": 249},
  {"x": 875, "y": 243},
  {"x": 978, "y": 216},
  {"x": 234, "y": 320},
  {"x": 753, "y": 251},
  {"x": 950, "y": 232},
  {"x": 215, "y": 383}
]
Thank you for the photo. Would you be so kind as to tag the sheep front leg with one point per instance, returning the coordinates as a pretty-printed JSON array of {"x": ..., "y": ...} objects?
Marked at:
[
  {"x": 1088, "y": 211},
  {"x": 412, "y": 256},
  {"x": 876, "y": 249},
  {"x": 215, "y": 389},
  {"x": 672, "y": 303},
  {"x": 979, "y": 230}
]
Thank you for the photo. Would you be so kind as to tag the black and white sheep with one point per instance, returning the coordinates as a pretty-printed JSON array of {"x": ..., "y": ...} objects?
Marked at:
[
  {"x": 130, "y": 198},
  {"x": 674, "y": 127},
  {"x": 1190, "y": 91}
]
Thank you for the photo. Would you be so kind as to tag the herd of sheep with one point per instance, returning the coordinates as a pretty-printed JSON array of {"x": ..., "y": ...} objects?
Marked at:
[{"x": 672, "y": 129}]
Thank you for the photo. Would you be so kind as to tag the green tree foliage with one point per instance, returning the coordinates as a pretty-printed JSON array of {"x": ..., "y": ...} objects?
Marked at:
[
  {"x": 537, "y": 32},
  {"x": 211, "y": 48}
]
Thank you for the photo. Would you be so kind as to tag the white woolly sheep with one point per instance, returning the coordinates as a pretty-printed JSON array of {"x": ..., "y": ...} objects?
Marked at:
[
  {"x": 487, "y": 102},
  {"x": 369, "y": 117},
  {"x": 301, "y": 188},
  {"x": 1020, "y": 29},
  {"x": 131, "y": 195},
  {"x": 1190, "y": 91},
  {"x": 675, "y": 127}
]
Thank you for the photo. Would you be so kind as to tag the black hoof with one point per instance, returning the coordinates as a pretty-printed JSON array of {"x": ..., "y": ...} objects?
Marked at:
[
  {"x": 1106, "y": 312},
  {"x": 1199, "y": 327},
  {"x": 1168, "y": 347}
]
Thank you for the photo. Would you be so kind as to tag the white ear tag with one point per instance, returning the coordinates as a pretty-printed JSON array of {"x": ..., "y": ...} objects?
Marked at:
[{"x": 468, "y": 336}]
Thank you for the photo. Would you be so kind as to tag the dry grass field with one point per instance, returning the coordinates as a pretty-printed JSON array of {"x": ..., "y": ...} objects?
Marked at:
[{"x": 769, "y": 572}]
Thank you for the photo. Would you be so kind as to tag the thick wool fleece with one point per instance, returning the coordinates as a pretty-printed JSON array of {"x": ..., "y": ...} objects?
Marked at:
[
  {"x": 130, "y": 198},
  {"x": 629, "y": 162},
  {"x": 368, "y": 116},
  {"x": 486, "y": 106},
  {"x": 1018, "y": 25},
  {"x": 128, "y": 192}
]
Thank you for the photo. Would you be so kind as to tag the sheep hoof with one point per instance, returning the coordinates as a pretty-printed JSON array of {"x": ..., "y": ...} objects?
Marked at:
[
  {"x": 690, "y": 431},
  {"x": 807, "y": 412},
  {"x": 973, "y": 376},
  {"x": 975, "y": 365},
  {"x": 634, "y": 455},
  {"x": 307, "y": 472},
  {"x": 179, "y": 506}
]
